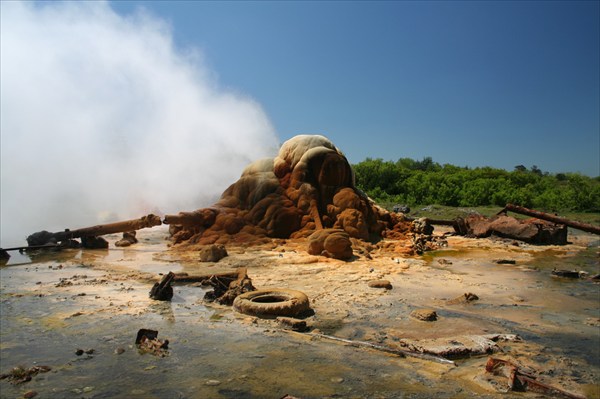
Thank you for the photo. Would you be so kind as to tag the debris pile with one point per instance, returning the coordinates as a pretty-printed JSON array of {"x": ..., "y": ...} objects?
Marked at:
[
  {"x": 521, "y": 379},
  {"x": 533, "y": 231},
  {"x": 147, "y": 342}
]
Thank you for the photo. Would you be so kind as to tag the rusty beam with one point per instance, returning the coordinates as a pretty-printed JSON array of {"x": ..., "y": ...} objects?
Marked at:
[
  {"x": 590, "y": 228},
  {"x": 44, "y": 237}
]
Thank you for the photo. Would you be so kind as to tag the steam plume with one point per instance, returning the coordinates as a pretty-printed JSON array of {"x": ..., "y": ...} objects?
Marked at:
[{"x": 103, "y": 118}]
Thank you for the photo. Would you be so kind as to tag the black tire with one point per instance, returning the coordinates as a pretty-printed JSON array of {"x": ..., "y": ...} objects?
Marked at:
[{"x": 273, "y": 302}]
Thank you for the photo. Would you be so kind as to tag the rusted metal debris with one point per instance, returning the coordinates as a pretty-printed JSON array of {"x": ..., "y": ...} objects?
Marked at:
[
  {"x": 163, "y": 291},
  {"x": 523, "y": 380},
  {"x": 393, "y": 351},
  {"x": 227, "y": 289},
  {"x": 87, "y": 234},
  {"x": 147, "y": 342},
  {"x": 590, "y": 228}
]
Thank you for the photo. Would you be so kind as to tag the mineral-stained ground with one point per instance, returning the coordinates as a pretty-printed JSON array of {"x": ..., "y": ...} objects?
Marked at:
[{"x": 297, "y": 222}]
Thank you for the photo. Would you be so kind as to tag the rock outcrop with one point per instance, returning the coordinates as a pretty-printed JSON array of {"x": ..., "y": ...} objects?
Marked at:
[{"x": 308, "y": 187}]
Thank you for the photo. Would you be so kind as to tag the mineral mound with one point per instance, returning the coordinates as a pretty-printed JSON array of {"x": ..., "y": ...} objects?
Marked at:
[{"x": 309, "y": 186}]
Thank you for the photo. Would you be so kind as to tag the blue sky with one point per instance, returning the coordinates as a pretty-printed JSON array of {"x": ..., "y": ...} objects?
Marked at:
[{"x": 468, "y": 83}]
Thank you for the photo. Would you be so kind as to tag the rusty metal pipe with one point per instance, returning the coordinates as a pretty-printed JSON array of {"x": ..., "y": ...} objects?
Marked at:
[
  {"x": 98, "y": 230},
  {"x": 590, "y": 228}
]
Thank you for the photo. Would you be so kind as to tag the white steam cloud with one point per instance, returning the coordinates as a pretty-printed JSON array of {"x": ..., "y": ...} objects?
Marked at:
[{"x": 103, "y": 118}]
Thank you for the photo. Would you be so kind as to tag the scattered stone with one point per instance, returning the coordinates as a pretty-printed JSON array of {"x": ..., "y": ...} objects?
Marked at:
[
  {"x": 506, "y": 261},
  {"x": 79, "y": 352},
  {"x": 424, "y": 314},
  {"x": 119, "y": 351},
  {"x": 464, "y": 298},
  {"x": 380, "y": 284},
  {"x": 213, "y": 383},
  {"x": 30, "y": 394},
  {"x": 63, "y": 283},
  {"x": 213, "y": 253},
  {"x": 88, "y": 389},
  {"x": 337, "y": 380},
  {"x": 444, "y": 262},
  {"x": 127, "y": 240},
  {"x": 19, "y": 375}
]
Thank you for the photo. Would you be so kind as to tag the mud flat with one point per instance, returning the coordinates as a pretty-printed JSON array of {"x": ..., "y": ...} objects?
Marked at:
[{"x": 53, "y": 304}]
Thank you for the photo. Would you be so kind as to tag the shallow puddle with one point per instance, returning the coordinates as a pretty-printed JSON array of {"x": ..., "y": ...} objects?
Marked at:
[{"x": 60, "y": 302}]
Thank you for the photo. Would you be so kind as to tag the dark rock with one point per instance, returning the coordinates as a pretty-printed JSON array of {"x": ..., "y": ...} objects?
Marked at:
[
  {"x": 212, "y": 253},
  {"x": 380, "y": 284},
  {"x": 566, "y": 273},
  {"x": 401, "y": 209},
  {"x": 94, "y": 242},
  {"x": 464, "y": 298},
  {"x": 424, "y": 314},
  {"x": 506, "y": 262},
  {"x": 127, "y": 240}
]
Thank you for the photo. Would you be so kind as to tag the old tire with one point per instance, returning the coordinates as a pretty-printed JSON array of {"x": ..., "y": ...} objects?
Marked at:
[{"x": 273, "y": 302}]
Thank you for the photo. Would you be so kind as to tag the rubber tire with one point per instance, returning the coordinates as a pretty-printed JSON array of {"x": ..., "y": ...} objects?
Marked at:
[{"x": 272, "y": 302}]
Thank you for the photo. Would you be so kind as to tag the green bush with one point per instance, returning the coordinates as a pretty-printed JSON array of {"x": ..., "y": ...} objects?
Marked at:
[{"x": 427, "y": 182}]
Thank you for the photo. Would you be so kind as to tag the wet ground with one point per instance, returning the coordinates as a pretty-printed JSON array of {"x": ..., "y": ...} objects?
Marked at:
[{"x": 55, "y": 303}]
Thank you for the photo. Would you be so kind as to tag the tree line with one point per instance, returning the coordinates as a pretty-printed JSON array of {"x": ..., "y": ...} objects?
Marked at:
[{"x": 412, "y": 182}]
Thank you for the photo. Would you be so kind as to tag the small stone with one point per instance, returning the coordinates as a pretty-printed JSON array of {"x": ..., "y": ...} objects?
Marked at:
[
  {"x": 79, "y": 352},
  {"x": 212, "y": 383},
  {"x": 30, "y": 394},
  {"x": 118, "y": 351},
  {"x": 424, "y": 314},
  {"x": 506, "y": 261},
  {"x": 90, "y": 351},
  {"x": 292, "y": 324},
  {"x": 88, "y": 389},
  {"x": 464, "y": 298},
  {"x": 337, "y": 380},
  {"x": 213, "y": 253},
  {"x": 380, "y": 284}
]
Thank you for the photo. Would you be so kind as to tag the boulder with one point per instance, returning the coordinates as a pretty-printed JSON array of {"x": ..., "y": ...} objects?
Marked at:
[
  {"x": 127, "y": 240},
  {"x": 212, "y": 253},
  {"x": 424, "y": 314},
  {"x": 333, "y": 243}
]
